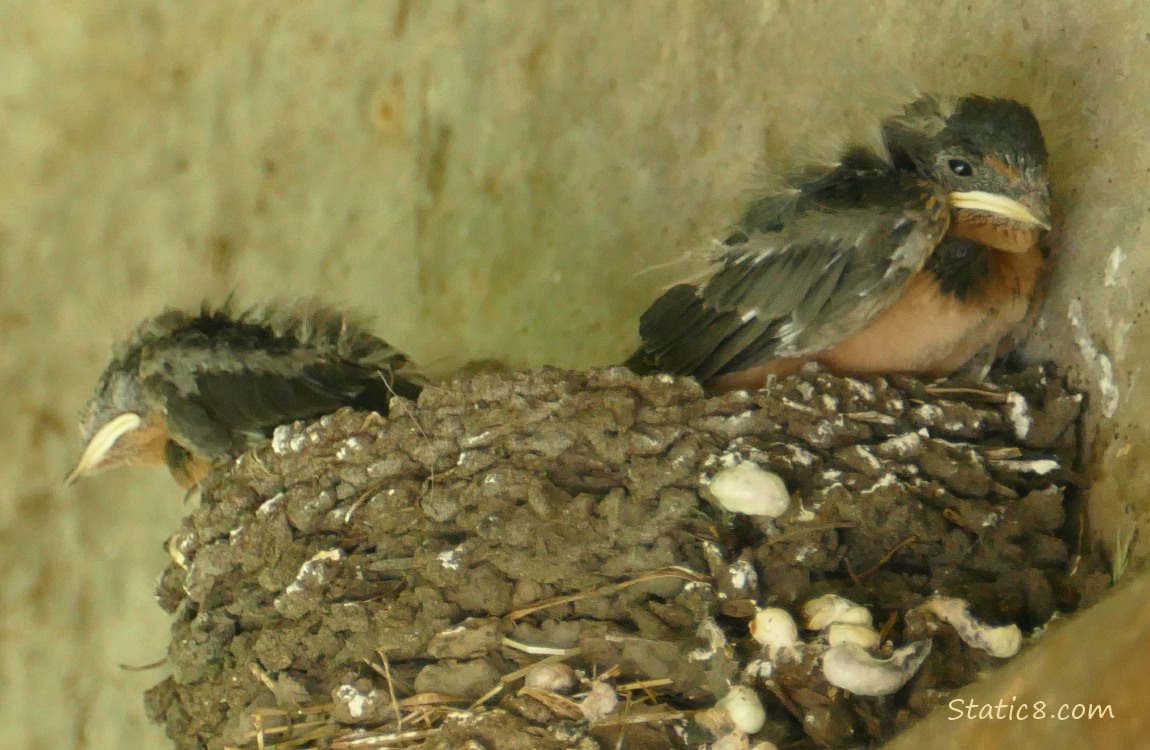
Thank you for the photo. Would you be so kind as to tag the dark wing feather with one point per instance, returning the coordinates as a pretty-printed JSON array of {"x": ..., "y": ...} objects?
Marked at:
[
  {"x": 231, "y": 407},
  {"x": 224, "y": 388},
  {"x": 850, "y": 243}
]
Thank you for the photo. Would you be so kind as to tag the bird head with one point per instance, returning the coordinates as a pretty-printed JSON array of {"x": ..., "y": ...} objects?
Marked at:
[
  {"x": 989, "y": 155},
  {"x": 117, "y": 427}
]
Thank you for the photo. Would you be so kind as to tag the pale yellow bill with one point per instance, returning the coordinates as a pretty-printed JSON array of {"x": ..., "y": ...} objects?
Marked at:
[
  {"x": 101, "y": 443},
  {"x": 978, "y": 200}
]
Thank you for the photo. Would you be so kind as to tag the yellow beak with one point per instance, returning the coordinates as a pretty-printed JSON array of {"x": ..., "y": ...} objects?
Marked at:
[
  {"x": 101, "y": 443},
  {"x": 993, "y": 203}
]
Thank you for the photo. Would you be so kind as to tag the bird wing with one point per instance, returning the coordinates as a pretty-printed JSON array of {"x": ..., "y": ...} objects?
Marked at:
[
  {"x": 224, "y": 381},
  {"x": 822, "y": 267},
  {"x": 227, "y": 408}
]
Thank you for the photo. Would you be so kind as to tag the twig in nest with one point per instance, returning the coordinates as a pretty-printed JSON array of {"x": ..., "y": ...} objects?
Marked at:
[
  {"x": 541, "y": 650},
  {"x": 386, "y": 674},
  {"x": 363, "y": 498},
  {"x": 513, "y": 676},
  {"x": 995, "y": 453},
  {"x": 560, "y": 705},
  {"x": 886, "y": 558},
  {"x": 643, "y": 718},
  {"x": 671, "y": 571},
  {"x": 320, "y": 729},
  {"x": 887, "y": 626},
  {"x": 644, "y": 684},
  {"x": 388, "y": 739},
  {"x": 488, "y": 695},
  {"x": 994, "y": 397}
]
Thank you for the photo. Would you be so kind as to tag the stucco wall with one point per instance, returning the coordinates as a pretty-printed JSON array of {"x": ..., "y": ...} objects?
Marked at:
[{"x": 487, "y": 180}]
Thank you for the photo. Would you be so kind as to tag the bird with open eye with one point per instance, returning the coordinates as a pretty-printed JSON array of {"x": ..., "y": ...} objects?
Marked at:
[
  {"x": 920, "y": 260},
  {"x": 191, "y": 390}
]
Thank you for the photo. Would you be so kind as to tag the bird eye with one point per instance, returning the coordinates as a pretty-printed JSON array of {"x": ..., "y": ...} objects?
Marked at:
[{"x": 960, "y": 167}]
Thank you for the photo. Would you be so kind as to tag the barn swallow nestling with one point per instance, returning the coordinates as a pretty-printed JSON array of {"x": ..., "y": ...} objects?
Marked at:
[
  {"x": 190, "y": 389},
  {"x": 913, "y": 261}
]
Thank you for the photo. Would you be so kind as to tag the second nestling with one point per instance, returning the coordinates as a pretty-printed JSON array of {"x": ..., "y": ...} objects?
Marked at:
[
  {"x": 920, "y": 260},
  {"x": 189, "y": 390}
]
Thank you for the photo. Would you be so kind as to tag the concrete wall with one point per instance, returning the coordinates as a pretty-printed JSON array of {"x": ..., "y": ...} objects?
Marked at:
[{"x": 488, "y": 179}]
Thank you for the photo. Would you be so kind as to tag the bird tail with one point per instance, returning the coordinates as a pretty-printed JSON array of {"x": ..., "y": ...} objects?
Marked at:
[{"x": 641, "y": 362}]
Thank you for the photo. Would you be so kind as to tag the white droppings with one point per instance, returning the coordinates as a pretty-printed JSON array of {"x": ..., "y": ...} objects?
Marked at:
[
  {"x": 280, "y": 439},
  {"x": 850, "y": 667},
  {"x": 313, "y": 572},
  {"x": 928, "y": 413},
  {"x": 178, "y": 548},
  {"x": 355, "y": 701},
  {"x": 865, "y": 391},
  {"x": 665, "y": 379},
  {"x": 872, "y": 417},
  {"x": 822, "y": 612},
  {"x": 716, "y": 641},
  {"x": 737, "y": 421},
  {"x": 349, "y": 446},
  {"x": 806, "y": 389},
  {"x": 742, "y": 704},
  {"x": 599, "y": 703},
  {"x": 1101, "y": 363},
  {"x": 864, "y": 452},
  {"x": 745, "y": 488},
  {"x": 775, "y": 630},
  {"x": 1002, "y": 642},
  {"x": 743, "y": 575},
  {"x": 556, "y": 677},
  {"x": 1039, "y": 466},
  {"x": 805, "y": 551},
  {"x": 759, "y": 668},
  {"x": 450, "y": 559},
  {"x": 475, "y": 441},
  {"x": 800, "y": 456},
  {"x": 804, "y": 515},
  {"x": 1018, "y": 411},
  {"x": 297, "y": 442},
  {"x": 848, "y": 632},
  {"x": 837, "y": 486},
  {"x": 886, "y": 480},
  {"x": 1113, "y": 276},
  {"x": 830, "y": 403},
  {"x": 267, "y": 506}
]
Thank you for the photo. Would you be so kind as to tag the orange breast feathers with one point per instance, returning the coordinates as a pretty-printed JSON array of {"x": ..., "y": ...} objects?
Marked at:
[{"x": 926, "y": 332}]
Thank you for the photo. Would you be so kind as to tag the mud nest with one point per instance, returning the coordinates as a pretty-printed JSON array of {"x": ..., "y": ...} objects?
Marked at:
[{"x": 364, "y": 583}]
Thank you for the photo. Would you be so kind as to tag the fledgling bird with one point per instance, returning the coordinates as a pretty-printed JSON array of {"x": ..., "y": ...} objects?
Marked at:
[
  {"x": 188, "y": 390},
  {"x": 915, "y": 261}
]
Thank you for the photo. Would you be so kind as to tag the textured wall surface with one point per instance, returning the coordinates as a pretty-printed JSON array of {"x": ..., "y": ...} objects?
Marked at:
[{"x": 488, "y": 179}]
